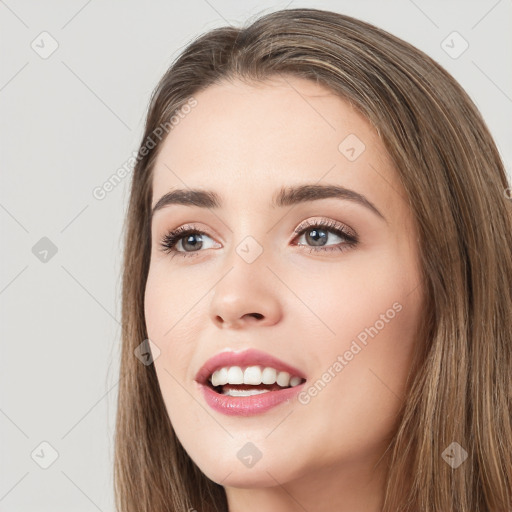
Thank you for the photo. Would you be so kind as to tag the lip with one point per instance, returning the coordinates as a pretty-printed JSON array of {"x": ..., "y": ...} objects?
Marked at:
[
  {"x": 249, "y": 357},
  {"x": 248, "y": 405}
]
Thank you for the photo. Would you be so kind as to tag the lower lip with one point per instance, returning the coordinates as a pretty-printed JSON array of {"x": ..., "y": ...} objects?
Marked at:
[{"x": 248, "y": 405}]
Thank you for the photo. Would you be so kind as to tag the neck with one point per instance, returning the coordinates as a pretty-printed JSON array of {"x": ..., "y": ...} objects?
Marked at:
[{"x": 354, "y": 487}]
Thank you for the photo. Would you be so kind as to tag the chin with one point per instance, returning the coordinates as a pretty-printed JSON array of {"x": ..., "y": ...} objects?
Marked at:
[
  {"x": 234, "y": 473},
  {"x": 245, "y": 478}
]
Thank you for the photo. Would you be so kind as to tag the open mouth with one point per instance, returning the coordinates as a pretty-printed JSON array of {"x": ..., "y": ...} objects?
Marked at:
[
  {"x": 248, "y": 389},
  {"x": 246, "y": 373}
]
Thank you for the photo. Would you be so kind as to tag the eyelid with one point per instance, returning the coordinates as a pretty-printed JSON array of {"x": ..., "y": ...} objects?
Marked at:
[
  {"x": 179, "y": 232},
  {"x": 329, "y": 223},
  {"x": 173, "y": 237}
]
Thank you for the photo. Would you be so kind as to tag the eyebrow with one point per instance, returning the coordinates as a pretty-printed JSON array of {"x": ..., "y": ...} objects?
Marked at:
[{"x": 286, "y": 196}]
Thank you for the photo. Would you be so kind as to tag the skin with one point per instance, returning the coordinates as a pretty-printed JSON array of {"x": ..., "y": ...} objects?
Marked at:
[{"x": 245, "y": 142}]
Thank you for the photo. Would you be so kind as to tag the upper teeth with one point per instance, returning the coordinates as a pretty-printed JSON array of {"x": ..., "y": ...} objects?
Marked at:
[{"x": 253, "y": 375}]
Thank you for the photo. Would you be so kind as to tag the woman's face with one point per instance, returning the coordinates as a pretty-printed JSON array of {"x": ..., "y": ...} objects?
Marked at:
[{"x": 245, "y": 279}]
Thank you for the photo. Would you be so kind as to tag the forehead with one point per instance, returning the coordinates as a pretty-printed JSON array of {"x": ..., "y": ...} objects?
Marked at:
[{"x": 246, "y": 140}]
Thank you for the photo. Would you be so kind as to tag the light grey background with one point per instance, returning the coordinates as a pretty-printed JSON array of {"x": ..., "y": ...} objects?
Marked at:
[{"x": 68, "y": 122}]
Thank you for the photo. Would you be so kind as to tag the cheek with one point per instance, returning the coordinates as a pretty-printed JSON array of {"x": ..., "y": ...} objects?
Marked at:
[
  {"x": 171, "y": 322},
  {"x": 169, "y": 304},
  {"x": 364, "y": 290},
  {"x": 367, "y": 318},
  {"x": 155, "y": 297},
  {"x": 162, "y": 328}
]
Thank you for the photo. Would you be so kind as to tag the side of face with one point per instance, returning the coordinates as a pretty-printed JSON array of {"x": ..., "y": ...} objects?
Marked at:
[{"x": 347, "y": 318}]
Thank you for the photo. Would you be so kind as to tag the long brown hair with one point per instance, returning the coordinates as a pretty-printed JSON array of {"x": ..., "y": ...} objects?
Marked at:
[{"x": 460, "y": 390}]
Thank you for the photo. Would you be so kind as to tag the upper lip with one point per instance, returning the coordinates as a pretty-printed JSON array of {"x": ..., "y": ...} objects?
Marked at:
[{"x": 249, "y": 357}]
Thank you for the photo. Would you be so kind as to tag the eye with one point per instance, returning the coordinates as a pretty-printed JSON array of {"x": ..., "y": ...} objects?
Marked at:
[
  {"x": 183, "y": 240},
  {"x": 187, "y": 241},
  {"x": 317, "y": 234}
]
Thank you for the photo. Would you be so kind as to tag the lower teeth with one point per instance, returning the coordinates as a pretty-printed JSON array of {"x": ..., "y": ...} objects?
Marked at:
[{"x": 244, "y": 392}]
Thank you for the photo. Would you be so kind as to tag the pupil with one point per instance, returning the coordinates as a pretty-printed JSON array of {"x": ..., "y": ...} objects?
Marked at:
[
  {"x": 316, "y": 237},
  {"x": 191, "y": 237}
]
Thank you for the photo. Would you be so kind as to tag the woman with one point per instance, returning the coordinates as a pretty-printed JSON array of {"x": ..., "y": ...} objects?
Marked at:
[{"x": 317, "y": 282}]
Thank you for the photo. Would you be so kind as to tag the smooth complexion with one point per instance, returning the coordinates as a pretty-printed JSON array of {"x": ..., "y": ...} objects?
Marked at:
[{"x": 245, "y": 142}]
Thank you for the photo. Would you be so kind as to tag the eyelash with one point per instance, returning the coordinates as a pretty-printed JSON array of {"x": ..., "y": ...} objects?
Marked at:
[{"x": 170, "y": 240}]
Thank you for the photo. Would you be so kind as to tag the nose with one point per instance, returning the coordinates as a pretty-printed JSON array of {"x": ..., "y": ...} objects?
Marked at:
[
  {"x": 245, "y": 297},
  {"x": 228, "y": 320}
]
